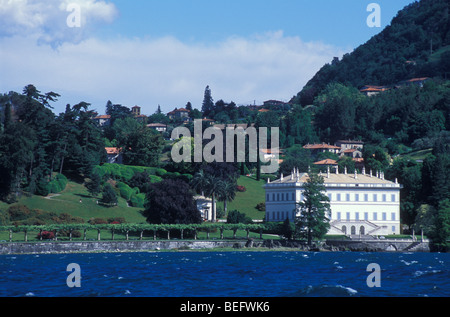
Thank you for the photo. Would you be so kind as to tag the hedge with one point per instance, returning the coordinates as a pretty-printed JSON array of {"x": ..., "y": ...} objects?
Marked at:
[
  {"x": 130, "y": 228},
  {"x": 125, "y": 172}
]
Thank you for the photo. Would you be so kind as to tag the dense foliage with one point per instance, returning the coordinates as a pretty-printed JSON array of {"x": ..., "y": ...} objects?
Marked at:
[{"x": 416, "y": 44}]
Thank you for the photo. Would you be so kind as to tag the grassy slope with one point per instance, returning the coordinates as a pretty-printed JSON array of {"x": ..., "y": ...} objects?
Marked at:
[
  {"x": 246, "y": 202},
  {"x": 68, "y": 201}
]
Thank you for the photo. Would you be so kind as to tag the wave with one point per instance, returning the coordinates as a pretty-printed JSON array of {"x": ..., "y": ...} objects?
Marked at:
[
  {"x": 420, "y": 273},
  {"x": 326, "y": 291}
]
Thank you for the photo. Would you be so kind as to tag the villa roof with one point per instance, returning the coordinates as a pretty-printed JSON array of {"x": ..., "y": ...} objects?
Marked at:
[{"x": 334, "y": 178}]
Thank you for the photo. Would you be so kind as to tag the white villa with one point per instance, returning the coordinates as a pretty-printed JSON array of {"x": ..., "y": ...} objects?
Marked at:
[
  {"x": 204, "y": 205},
  {"x": 363, "y": 204}
]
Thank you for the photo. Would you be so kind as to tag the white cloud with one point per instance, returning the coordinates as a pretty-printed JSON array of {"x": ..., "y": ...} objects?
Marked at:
[
  {"x": 164, "y": 71},
  {"x": 48, "y": 19}
]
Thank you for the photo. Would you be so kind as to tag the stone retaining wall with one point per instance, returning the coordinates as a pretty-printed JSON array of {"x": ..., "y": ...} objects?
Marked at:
[
  {"x": 379, "y": 245},
  {"x": 143, "y": 246}
]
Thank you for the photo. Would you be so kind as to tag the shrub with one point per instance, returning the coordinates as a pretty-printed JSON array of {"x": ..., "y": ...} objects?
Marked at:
[
  {"x": 46, "y": 235},
  {"x": 235, "y": 216},
  {"x": 116, "y": 220},
  {"x": 97, "y": 221},
  {"x": 109, "y": 196},
  {"x": 19, "y": 212},
  {"x": 126, "y": 191},
  {"x": 138, "y": 200},
  {"x": 58, "y": 184},
  {"x": 261, "y": 206},
  {"x": 241, "y": 188}
]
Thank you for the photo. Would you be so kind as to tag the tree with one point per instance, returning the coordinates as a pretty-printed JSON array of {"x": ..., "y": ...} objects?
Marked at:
[
  {"x": 93, "y": 185},
  {"x": 234, "y": 217},
  {"x": 109, "y": 196},
  {"x": 171, "y": 202},
  {"x": 315, "y": 211},
  {"x": 286, "y": 230},
  {"x": 208, "y": 102},
  {"x": 143, "y": 147},
  {"x": 441, "y": 235},
  {"x": 227, "y": 193}
]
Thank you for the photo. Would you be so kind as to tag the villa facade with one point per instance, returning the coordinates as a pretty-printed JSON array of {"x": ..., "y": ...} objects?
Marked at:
[{"x": 363, "y": 204}]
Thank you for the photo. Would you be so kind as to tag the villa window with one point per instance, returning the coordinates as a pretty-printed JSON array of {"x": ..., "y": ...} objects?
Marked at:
[{"x": 356, "y": 197}]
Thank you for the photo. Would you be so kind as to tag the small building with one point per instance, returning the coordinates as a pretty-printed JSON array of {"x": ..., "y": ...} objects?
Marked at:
[
  {"x": 322, "y": 148},
  {"x": 160, "y": 127},
  {"x": 327, "y": 163},
  {"x": 136, "y": 111},
  {"x": 102, "y": 120},
  {"x": 363, "y": 204},
  {"x": 114, "y": 155},
  {"x": 349, "y": 144},
  {"x": 370, "y": 90},
  {"x": 181, "y": 113},
  {"x": 204, "y": 205}
]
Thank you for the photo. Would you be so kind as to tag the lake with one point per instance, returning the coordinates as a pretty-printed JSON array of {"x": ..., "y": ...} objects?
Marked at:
[{"x": 226, "y": 274}]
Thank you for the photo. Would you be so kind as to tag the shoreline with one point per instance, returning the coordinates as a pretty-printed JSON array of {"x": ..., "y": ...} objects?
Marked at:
[{"x": 74, "y": 247}]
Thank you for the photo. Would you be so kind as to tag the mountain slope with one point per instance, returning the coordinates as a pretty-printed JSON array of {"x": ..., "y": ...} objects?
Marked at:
[{"x": 402, "y": 50}]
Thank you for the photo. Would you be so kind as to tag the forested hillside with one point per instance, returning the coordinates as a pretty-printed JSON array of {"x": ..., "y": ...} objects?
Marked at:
[{"x": 416, "y": 44}]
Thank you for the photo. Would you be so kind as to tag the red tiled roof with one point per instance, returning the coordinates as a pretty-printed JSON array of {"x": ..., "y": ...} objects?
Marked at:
[
  {"x": 326, "y": 162},
  {"x": 103, "y": 117},
  {"x": 112, "y": 150},
  {"x": 320, "y": 146}
]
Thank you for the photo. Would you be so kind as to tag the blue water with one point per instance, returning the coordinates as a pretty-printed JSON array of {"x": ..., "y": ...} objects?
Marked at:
[{"x": 226, "y": 274}]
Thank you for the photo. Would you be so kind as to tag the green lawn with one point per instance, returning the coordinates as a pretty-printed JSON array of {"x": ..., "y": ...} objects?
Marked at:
[
  {"x": 68, "y": 201},
  {"x": 246, "y": 201},
  {"x": 418, "y": 155}
]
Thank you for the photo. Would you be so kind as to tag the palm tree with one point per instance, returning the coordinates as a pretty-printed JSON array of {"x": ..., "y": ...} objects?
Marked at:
[
  {"x": 227, "y": 193},
  {"x": 200, "y": 182},
  {"x": 214, "y": 186},
  {"x": 209, "y": 185}
]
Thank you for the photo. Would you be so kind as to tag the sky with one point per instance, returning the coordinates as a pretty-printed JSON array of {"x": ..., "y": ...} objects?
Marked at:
[{"x": 155, "y": 52}]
